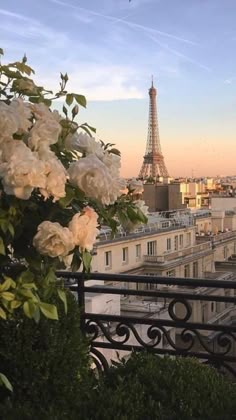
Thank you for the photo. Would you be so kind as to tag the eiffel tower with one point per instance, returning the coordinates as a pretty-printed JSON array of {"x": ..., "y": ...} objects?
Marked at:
[{"x": 153, "y": 163}]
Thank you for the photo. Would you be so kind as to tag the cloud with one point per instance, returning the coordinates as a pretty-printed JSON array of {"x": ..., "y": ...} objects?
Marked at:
[
  {"x": 96, "y": 81},
  {"x": 229, "y": 81}
]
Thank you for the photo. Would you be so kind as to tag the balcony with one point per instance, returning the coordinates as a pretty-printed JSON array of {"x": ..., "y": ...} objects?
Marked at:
[
  {"x": 185, "y": 252},
  {"x": 197, "y": 321},
  {"x": 218, "y": 238}
]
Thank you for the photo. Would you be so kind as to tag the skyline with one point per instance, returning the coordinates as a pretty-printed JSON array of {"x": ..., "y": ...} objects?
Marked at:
[{"x": 111, "y": 50}]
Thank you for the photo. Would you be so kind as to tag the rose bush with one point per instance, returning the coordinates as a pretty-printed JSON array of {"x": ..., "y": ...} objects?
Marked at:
[{"x": 58, "y": 184}]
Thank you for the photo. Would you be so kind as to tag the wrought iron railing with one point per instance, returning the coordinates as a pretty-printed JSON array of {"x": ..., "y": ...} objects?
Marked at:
[{"x": 175, "y": 316}]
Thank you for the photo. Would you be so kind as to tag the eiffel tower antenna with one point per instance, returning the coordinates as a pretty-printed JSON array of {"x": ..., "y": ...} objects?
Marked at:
[{"x": 153, "y": 162}]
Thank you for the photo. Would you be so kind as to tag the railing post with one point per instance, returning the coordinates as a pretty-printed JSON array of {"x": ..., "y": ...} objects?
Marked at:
[{"x": 81, "y": 302}]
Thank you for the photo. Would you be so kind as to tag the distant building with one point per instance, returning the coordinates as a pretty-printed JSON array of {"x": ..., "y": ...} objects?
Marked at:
[{"x": 174, "y": 244}]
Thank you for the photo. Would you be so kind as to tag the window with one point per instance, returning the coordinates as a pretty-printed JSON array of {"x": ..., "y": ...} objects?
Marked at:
[
  {"x": 108, "y": 259},
  {"x": 125, "y": 255},
  {"x": 195, "y": 269},
  {"x": 151, "y": 248},
  {"x": 168, "y": 244},
  {"x": 181, "y": 241},
  {"x": 189, "y": 239},
  {"x": 176, "y": 243},
  {"x": 212, "y": 306},
  {"x": 187, "y": 270},
  {"x": 165, "y": 225},
  {"x": 151, "y": 286},
  {"x": 138, "y": 251},
  {"x": 170, "y": 273}
]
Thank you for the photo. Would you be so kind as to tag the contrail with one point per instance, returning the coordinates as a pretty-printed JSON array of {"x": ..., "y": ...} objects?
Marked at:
[
  {"x": 179, "y": 54},
  {"x": 126, "y": 22},
  {"x": 7, "y": 13}
]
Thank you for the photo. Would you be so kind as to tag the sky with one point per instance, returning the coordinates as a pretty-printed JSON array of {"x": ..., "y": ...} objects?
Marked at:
[{"x": 111, "y": 48}]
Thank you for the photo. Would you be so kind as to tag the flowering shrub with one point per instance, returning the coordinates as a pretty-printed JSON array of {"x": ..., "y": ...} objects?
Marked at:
[{"x": 57, "y": 186}]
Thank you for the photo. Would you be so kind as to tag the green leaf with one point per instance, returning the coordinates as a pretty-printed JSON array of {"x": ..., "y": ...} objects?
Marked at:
[
  {"x": 81, "y": 100},
  {"x": 69, "y": 98},
  {"x": 26, "y": 277},
  {"x": 86, "y": 258},
  {"x": 34, "y": 99},
  {"x": 30, "y": 286},
  {"x": 1, "y": 51},
  {"x": 3, "y": 313},
  {"x": 7, "y": 284},
  {"x": 114, "y": 151},
  {"x": 132, "y": 214},
  {"x": 76, "y": 261},
  {"x": 62, "y": 296},
  {"x": 5, "y": 382},
  {"x": 50, "y": 278},
  {"x": 11, "y": 229},
  {"x": 29, "y": 308},
  {"x": 123, "y": 218},
  {"x": 7, "y": 296},
  {"x": 70, "y": 195},
  {"x": 4, "y": 225},
  {"x": 85, "y": 129},
  {"x": 48, "y": 310},
  {"x": 15, "y": 304},
  {"x": 47, "y": 102},
  {"x": 93, "y": 129},
  {"x": 2, "y": 247},
  {"x": 142, "y": 216},
  {"x": 27, "y": 293},
  {"x": 23, "y": 68}
]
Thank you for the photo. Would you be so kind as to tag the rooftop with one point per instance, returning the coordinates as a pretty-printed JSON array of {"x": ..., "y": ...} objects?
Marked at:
[{"x": 157, "y": 223}]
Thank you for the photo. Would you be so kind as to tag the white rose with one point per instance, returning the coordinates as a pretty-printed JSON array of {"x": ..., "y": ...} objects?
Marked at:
[
  {"x": 112, "y": 162},
  {"x": 140, "y": 204},
  {"x": 124, "y": 191},
  {"x": 56, "y": 178},
  {"x": 94, "y": 178},
  {"x": 53, "y": 240},
  {"x": 83, "y": 143},
  {"x": 21, "y": 176},
  {"x": 40, "y": 111},
  {"x": 9, "y": 121},
  {"x": 23, "y": 112},
  {"x": 44, "y": 132},
  {"x": 84, "y": 228},
  {"x": 14, "y": 149},
  {"x": 136, "y": 186}
]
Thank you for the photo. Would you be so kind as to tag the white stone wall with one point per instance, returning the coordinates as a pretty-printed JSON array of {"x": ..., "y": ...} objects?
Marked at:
[{"x": 118, "y": 266}]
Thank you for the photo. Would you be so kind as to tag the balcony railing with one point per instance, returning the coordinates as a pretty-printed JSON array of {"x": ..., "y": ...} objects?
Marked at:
[
  {"x": 218, "y": 238},
  {"x": 206, "y": 246},
  {"x": 180, "y": 324}
]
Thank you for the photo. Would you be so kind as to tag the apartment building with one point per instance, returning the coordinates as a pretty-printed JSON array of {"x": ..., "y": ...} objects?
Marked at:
[
  {"x": 167, "y": 247},
  {"x": 177, "y": 244}
]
